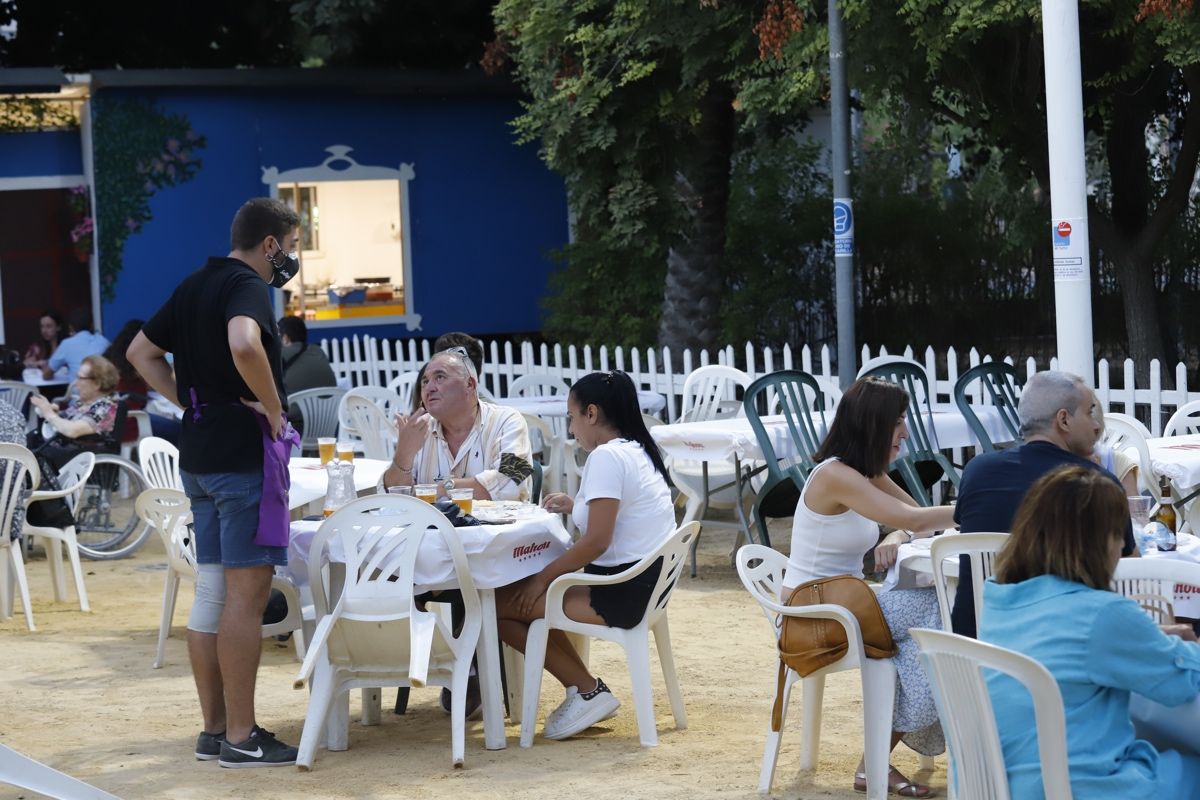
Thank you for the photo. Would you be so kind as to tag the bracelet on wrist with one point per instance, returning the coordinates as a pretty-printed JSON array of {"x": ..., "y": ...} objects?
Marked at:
[{"x": 402, "y": 470}]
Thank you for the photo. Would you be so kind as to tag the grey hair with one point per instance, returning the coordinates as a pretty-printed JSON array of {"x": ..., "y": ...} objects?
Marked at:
[
  {"x": 1045, "y": 393},
  {"x": 465, "y": 366}
]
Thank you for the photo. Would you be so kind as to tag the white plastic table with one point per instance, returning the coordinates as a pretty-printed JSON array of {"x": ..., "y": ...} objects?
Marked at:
[
  {"x": 497, "y": 555},
  {"x": 310, "y": 481},
  {"x": 556, "y": 405}
]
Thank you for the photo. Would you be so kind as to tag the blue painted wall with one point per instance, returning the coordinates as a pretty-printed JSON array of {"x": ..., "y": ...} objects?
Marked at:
[
  {"x": 484, "y": 212},
  {"x": 24, "y": 155}
]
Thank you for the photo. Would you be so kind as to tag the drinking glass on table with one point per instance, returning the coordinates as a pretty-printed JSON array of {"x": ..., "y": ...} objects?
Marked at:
[
  {"x": 345, "y": 451},
  {"x": 463, "y": 498},
  {"x": 1139, "y": 510},
  {"x": 426, "y": 492},
  {"x": 325, "y": 447}
]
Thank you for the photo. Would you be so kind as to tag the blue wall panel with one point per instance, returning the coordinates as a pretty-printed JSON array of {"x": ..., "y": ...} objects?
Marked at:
[
  {"x": 43, "y": 153},
  {"x": 484, "y": 212}
]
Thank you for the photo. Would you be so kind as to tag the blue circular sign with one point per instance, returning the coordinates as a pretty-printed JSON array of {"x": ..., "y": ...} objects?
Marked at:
[{"x": 843, "y": 218}]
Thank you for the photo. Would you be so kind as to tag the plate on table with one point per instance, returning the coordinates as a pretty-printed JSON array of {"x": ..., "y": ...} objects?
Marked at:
[{"x": 502, "y": 511}]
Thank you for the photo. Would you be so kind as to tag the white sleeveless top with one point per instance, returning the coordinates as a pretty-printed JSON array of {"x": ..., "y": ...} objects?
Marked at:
[{"x": 824, "y": 545}]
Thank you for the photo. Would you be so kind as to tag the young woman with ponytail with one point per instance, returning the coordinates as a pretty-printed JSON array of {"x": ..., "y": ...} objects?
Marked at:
[{"x": 624, "y": 511}]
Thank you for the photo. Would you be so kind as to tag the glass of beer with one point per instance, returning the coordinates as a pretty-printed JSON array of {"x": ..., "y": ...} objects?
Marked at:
[
  {"x": 325, "y": 446},
  {"x": 426, "y": 492},
  {"x": 345, "y": 452},
  {"x": 463, "y": 498}
]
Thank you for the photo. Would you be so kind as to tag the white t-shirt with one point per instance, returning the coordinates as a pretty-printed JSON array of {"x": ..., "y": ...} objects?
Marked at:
[{"x": 645, "y": 517}]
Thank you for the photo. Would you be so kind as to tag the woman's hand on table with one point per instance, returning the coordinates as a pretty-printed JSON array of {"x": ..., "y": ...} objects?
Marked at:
[
  {"x": 558, "y": 503},
  {"x": 885, "y": 551},
  {"x": 1181, "y": 629},
  {"x": 529, "y": 592}
]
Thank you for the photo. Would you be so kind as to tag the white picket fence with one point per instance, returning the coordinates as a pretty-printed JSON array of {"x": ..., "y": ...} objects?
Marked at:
[{"x": 370, "y": 361}]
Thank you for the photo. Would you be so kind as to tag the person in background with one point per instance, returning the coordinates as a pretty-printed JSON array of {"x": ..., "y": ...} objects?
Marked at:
[
  {"x": 135, "y": 389},
  {"x": 87, "y": 419},
  {"x": 12, "y": 431},
  {"x": 847, "y": 496},
  {"x": 1118, "y": 462},
  {"x": 1061, "y": 422},
  {"x": 467, "y": 342},
  {"x": 305, "y": 366},
  {"x": 51, "y": 330},
  {"x": 624, "y": 512},
  {"x": 1050, "y": 600},
  {"x": 71, "y": 352}
]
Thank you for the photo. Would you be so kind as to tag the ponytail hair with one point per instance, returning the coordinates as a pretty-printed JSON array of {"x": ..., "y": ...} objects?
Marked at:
[{"x": 615, "y": 395}]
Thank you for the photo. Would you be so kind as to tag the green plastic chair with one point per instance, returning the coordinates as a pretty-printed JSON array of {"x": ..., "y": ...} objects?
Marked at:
[
  {"x": 920, "y": 445},
  {"x": 535, "y": 494},
  {"x": 796, "y": 394},
  {"x": 1001, "y": 385}
]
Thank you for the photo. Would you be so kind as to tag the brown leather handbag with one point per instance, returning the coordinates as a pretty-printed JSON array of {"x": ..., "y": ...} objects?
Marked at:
[{"x": 807, "y": 645}]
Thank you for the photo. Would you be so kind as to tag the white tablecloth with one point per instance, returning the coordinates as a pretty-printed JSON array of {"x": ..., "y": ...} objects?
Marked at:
[
  {"x": 34, "y": 378},
  {"x": 497, "y": 555},
  {"x": 722, "y": 440},
  {"x": 310, "y": 481},
  {"x": 556, "y": 405},
  {"x": 1177, "y": 458}
]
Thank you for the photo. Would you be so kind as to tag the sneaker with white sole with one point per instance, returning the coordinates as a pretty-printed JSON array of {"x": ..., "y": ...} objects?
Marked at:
[
  {"x": 208, "y": 745},
  {"x": 580, "y": 711},
  {"x": 261, "y": 749}
]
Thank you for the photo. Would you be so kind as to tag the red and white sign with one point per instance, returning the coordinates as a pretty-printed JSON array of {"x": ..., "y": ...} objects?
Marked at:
[{"x": 1064, "y": 228}]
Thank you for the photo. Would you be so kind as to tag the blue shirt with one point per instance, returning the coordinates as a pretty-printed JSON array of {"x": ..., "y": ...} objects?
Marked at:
[
  {"x": 992, "y": 487},
  {"x": 1098, "y": 646},
  {"x": 74, "y": 349}
]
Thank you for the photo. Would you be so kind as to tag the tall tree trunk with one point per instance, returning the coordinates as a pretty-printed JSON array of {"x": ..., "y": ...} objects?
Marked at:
[{"x": 695, "y": 283}]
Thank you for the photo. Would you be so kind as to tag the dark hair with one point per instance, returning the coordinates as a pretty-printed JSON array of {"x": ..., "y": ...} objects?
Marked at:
[
  {"x": 862, "y": 429},
  {"x": 615, "y": 395},
  {"x": 120, "y": 343},
  {"x": 473, "y": 346},
  {"x": 80, "y": 320},
  {"x": 416, "y": 395},
  {"x": 294, "y": 328},
  {"x": 1064, "y": 526},
  {"x": 54, "y": 315},
  {"x": 258, "y": 218}
]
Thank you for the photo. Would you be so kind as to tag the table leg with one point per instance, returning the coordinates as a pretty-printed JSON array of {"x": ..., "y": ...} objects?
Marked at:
[
  {"x": 488, "y": 664},
  {"x": 739, "y": 506}
]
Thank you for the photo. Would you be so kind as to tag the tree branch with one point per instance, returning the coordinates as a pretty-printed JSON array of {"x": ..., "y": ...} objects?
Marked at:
[{"x": 1180, "y": 184}]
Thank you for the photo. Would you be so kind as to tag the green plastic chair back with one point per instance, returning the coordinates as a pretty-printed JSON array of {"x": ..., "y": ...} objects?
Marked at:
[
  {"x": 535, "y": 495},
  {"x": 797, "y": 394},
  {"x": 1000, "y": 384}
]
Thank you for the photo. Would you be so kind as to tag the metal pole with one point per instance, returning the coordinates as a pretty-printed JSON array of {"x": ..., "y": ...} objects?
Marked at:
[
  {"x": 1068, "y": 188},
  {"x": 843, "y": 206}
]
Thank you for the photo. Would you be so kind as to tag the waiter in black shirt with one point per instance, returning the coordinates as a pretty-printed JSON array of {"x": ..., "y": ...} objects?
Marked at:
[{"x": 227, "y": 376}]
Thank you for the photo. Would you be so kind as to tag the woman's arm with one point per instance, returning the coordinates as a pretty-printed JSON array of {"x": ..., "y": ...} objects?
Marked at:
[
  {"x": 70, "y": 428},
  {"x": 885, "y": 484},
  {"x": 602, "y": 520},
  {"x": 840, "y": 486}
]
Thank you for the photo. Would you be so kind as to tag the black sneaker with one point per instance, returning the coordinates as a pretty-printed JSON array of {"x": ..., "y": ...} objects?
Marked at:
[
  {"x": 208, "y": 745},
  {"x": 262, "y": 749}
]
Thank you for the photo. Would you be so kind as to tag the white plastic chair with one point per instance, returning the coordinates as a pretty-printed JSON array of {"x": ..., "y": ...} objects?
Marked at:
[
  {"x": 169, "y": 512},
  {"x": 542, "y": 385},
  {"x": 388, "y": 401},
  {"x": 144, "y": 430},
  {"x": 15, "y": 393},
  {"x": 1185, "y": 420},
  {"x": 71, "y": 478},
  {"x": 159, "y": 460},
  {"x": 710, "y": 392},
  {"x": 956, "y": 667},
  {"x": 403, "y": 386},
  {"x": 1151, "y": 583},
  {"x": 1121, "y": 432},
  {"x": 761, "y": 571},
  {"x": 319, "y": 412},
  {"x": 18, "y": 467},
  {"x": 371, "y": 424},
  {"x": 375, "y": 635},
  {"x": 635, "y": 641},
  {"x": 543, "y": 440},
  {"x": 18, "y": 769},
  {"x": 982, "y": 548}
]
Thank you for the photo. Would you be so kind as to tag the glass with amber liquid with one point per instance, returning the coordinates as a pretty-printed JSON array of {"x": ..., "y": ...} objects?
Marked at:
[
  {"x": 463, "y": 498},
  {"x": 426, "y": 492},
  {"x": 325, "y": 447},
  {"x": 345, "y": 452}
]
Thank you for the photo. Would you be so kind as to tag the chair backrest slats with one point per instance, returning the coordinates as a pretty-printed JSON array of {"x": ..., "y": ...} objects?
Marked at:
[
  {"x": 795, "y": 393},
  {"x": 1000, "y": 383}
]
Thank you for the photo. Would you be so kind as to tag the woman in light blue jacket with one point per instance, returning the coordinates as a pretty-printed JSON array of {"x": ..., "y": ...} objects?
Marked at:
[{"x": 1050, "y": 600}]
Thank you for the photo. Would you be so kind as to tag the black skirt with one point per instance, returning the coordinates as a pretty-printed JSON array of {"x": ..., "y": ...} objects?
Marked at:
[{"x": 623, "y": 605}]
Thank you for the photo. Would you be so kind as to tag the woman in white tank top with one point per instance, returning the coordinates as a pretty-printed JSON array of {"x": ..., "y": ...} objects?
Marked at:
[{"x": 841, "y": 506}]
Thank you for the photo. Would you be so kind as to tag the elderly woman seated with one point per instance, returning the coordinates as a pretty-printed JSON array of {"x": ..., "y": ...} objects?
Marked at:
[{"x": 87, "y": 421}]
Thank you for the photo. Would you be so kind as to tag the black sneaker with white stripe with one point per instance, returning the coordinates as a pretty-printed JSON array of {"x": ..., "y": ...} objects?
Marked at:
[
  {"x": 208, "y": 745},
  {"x": 262, "y": 749}
]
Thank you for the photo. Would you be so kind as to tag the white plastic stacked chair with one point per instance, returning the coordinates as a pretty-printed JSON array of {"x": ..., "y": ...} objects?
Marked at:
[
  {"x": 159, "y": 460},
  {"x": 1121, "y": 432},
  {"x": 374, "y": 635},
  {"x": 388, "y": 401},
  {"x": 15, "y": 393},
  {"x": 403, "y": 386},
  {"x": 553, "y": 450},
  {"x": 319, "y": 412},
  {"x": 71, "y": 478},
  {"x": 956, "y": 665},
  {"x": 18, "y": 470},
  {"x": 169, "y": 512},
  {"x": 761, "y": 571},
  {"x": 982, "y": 548},
  {"x": 1185, "y": 420},
  {"x": 371, "y": 424},
  {"x": 635, "y": 641}
]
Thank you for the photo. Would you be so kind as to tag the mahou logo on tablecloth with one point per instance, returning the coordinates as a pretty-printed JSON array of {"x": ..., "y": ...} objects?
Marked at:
[{"x": 528, "y": 551}]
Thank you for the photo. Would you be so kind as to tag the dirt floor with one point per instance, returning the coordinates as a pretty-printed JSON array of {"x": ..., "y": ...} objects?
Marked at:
[{"x": 79, "y": 694}]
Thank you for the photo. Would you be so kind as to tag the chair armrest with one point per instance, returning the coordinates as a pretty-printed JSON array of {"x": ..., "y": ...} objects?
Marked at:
[
  {"x": 558, "y": 587},
  {"x": 55, "y": 494}
]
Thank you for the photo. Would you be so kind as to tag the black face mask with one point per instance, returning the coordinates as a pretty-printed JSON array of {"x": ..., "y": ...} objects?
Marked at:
[{"x": 283, "y": 267}]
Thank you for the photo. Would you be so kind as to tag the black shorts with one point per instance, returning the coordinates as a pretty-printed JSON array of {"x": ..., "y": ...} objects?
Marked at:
[{"x": 623, "y": 605}]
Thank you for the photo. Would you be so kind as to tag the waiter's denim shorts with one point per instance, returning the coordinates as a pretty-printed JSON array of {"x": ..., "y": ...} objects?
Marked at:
[{"x": 225, "y": 510}]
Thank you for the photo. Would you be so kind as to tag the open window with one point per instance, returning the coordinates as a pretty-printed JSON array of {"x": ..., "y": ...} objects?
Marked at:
[{"x": 356, "y": 256}]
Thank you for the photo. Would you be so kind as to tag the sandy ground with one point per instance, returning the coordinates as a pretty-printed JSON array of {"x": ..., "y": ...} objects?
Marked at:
[{"x": 80, "y": 695}]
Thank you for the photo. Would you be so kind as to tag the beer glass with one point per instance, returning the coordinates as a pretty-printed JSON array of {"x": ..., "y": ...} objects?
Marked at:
[{"x": 325, "y": 446}]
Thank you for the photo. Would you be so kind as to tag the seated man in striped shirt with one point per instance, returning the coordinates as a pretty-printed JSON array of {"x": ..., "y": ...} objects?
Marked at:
[{"x": 456, "y": 442}]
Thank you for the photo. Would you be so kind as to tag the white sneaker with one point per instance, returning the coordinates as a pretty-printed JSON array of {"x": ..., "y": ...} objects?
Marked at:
[{"x": 580, "y": 711}]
